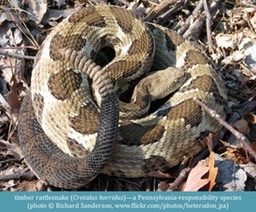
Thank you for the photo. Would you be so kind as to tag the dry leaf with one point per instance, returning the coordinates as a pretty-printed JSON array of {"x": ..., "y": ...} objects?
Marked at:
[
  {"x": 226, "y": 41},
  {"x": 230, "y": 175},
  {"x": 13, "y": 97},
  {"x": 252, "y": 18},
  {"x": 242, "y": 126},
  {"x": 250, "y": 169},
  {"x": 195, "y": 181},
  {"x": 237, "y": 154},
  {"x": 213, "y": 171},
  {"x": 7, "y": 185},
  {"x": 250, "y": 117},
  {"x": 163, "y": 186},
  {"x": 37, "y": 9},
  {"x": 60, "y": 3},
  {"x": 254, "y": 146},
  {"x": 207, "y": 141},
  {"x": 250, "y": 60},
  {"x": 27, "y": 186}
]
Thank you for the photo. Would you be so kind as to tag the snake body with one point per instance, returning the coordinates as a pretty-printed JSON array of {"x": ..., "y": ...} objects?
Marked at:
[{"x": 76, "y": 121}]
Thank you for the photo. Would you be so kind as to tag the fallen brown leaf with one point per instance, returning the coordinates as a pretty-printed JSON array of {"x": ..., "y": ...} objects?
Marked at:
[
  {"x": 27, "y": 186},
  {"x": 13, "y": 97},
  {"x": 250, "y": 117},
  {"x": 195, "y": 180},
  {"x": 236, "y": 154},
  {"x": 242, "y": 126},
  {"x": 213, "y": 171},
  {"x": 254, "y": 146}
]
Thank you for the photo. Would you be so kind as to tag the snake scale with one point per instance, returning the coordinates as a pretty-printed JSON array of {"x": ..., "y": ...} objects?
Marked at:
[{"x": 111, "y": 94}]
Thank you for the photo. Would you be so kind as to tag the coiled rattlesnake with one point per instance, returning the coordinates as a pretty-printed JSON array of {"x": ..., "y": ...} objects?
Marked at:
[{"x": 68, "y": 122}]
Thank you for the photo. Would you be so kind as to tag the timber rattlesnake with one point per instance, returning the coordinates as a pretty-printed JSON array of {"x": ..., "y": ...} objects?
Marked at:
[{"x": 68, "y": 122}]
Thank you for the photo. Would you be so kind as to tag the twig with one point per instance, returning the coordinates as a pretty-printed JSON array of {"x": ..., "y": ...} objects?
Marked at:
[
  {"x": 247, "y": 4},
  {"x": 123, "y": 2},
  {"x": 17, "y": 56},
  {"x": 237, "y": 134},
  {"x": 185, "y": 26},
  {"x": 171, "y": 11},
  {"x": 28, "y": 35},
  {"x": 182, "y": 176},
  {"x": 23, "y": 175},
  {"x": 163, "y": 6},
  {"x": 208, "y": 24},
  {"x": 8, "y": 161},
  {"x": 195, "y": 28}
]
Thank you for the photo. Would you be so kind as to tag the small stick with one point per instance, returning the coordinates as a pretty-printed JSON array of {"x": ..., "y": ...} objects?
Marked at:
[
  {"x": 194, "y": 28},
  {"x": 237, "y": 134},
  {"x": 164, "y": 5},
  {"x": 208, "y": 24},
  {"x": 247, "y": 4},
  {"x": 124, "y": 2},
  {"x": 185, "y": 26},
  {"x": 17, "y": 56},
  {"x": 23, "y": 175},
  {"x": 171, "y": 11},
  {"x": 182, "y": 176}
]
